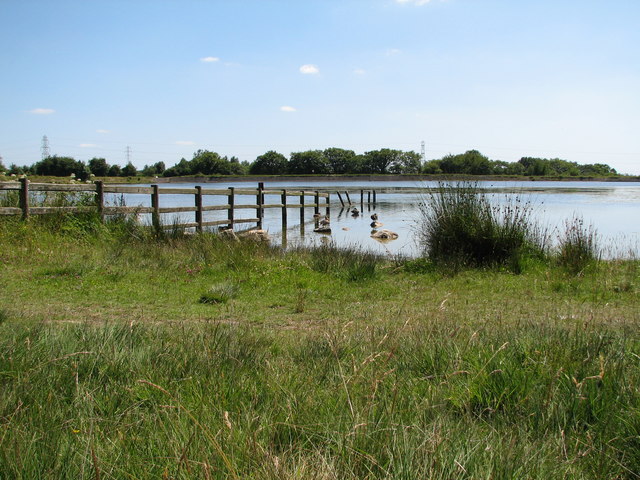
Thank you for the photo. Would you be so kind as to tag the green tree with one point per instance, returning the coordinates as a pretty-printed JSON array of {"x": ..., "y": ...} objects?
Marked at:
[
  {"x": 597, "y": 170},
  {"x": 432, "y": 167},
  {"x": 379, "y": 161},
  {"x": 114, "y": 171},
  {"x": 2, "y": 167},
  {"x": 269, "y": 163},
  {"x": 406, "y": 162},
  {"x": 16, "y": 170},
  {"x": 309, "y": 162},
  {"x": 179, "y": 169},
  {"x": 472, "y": 162},
  {"x": 99, "y": 167},
  {"x": 61, "y": 167},
  {"x": 535, "y": 166},
  {"x": 129, "y": 170},
  {"x": 152, "y": 170},
  {"x": 339, "y": 160}
]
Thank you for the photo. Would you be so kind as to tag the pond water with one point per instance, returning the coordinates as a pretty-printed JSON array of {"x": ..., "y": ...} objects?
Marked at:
[{"x": 612, "y": 208}]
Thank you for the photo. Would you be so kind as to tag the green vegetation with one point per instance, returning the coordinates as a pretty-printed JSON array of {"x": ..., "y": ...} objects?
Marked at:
[
  {"x": 460, "y": 227},
  {"x": 129, "y": 354},
  {"x": 578, "y": 246},
  {"x": 473, "y": 162},
  {"x": 331, "y": 161}
]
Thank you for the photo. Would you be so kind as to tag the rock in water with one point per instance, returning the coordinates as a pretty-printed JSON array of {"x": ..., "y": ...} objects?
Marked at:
[{"x": 384, "y": 235}]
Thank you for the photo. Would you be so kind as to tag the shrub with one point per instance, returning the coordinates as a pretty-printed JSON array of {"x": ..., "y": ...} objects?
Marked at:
[
  {"x": 577, "y": 246},
  {"x": 460, "y": 227}
]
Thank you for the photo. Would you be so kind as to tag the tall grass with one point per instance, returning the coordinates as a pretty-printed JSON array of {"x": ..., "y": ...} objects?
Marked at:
[
  {"x": 461, "y": 227},
  {"x": 423, "y": 400},
  {"x": 134, "y": 356},
  {"x": 350, "y": 263},
  {"x": 578, "y": 246}
]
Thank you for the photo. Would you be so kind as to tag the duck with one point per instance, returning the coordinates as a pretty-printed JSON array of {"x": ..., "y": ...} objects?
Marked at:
[
  {"x": 374, "y": 217},
  {"x": 355, "y": 212}
]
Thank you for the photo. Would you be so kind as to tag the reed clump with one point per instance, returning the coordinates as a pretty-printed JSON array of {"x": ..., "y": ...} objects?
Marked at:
[
  {"x": 578, "y": 246},
  {"x": 461, "y": 227}
]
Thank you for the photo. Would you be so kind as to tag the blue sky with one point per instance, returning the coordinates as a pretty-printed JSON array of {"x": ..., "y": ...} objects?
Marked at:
[{"x": 511, "y": 78}]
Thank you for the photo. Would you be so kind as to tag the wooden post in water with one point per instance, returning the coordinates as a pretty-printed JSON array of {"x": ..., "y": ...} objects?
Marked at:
[
  {"x": 348, "y": 198},
  {"x": 369, "y": 197},
  {"x": 302, "y": 210},
  {"x": 260, "y": 202},
  {"x": 284, "y": 209},
  {"x": 340, "y": 198},
  {"x": 24, "y": 197},
  {"x": 198, "y": 200},
  {"x": 374, "y": 197},
  {"x": 100, "y": 198},
  {"x": 361, "y": 199},
  {"x": 328, "y": 203},
  {"x": 155, "y": 204},
  {"x": 231, "y": 200},
  {"x": 316, "y": 201}
]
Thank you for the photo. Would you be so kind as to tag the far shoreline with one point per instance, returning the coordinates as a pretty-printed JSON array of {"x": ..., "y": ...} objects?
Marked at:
[{"x": 386, "y": 178}]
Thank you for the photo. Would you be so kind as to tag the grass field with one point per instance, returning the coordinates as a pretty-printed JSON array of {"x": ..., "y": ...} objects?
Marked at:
[{"x": 123, "y": 355}]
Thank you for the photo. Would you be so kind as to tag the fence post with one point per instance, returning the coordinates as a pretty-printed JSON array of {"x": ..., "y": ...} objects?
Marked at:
[
  {"x": 155, "y": 204},
  {"x": 340, "y": 198},
  {"x": 361, "y": 199},
  {"x": 199, "y": 208},
  {"x": 374, "y": 197},
  {"x": 24, "y": 197},
  {"x": 348, "y": 198},
  {"x": 369, "y": 197},
  {"x": 302, "y": 209},
  {"x": 284, "y": 209},
  {"x": 260, "y": 202},
  {"x": 231, "y": 200},
  {"x": 328, "y": 208},
  {"x": 316, "y": 201},
  {"x": 100, "y": 198}
]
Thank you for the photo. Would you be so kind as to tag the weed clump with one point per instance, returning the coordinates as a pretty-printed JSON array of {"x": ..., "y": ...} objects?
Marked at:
[
  {"x": 460, "y": 227},
  {"x": 577, "y": 246},
  {"x": 219, "y": 293}
]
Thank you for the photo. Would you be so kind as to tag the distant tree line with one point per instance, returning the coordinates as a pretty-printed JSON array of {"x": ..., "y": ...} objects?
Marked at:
[
  {"x": 331, "y": 161},
  {"x": 473, "y": 162}
]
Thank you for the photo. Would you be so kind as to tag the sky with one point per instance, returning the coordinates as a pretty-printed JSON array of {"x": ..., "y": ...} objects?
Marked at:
[{"x": 164, "y": 78}]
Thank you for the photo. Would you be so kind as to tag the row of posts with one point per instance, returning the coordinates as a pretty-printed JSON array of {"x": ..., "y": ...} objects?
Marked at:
[{"x": 155, "y": 203}]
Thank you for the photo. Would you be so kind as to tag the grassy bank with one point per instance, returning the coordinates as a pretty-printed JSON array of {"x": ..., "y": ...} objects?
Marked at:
[{"x": 124, "y": 355}]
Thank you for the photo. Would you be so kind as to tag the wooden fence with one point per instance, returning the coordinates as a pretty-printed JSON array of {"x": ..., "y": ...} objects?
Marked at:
[{"x": 99, "y": 189}]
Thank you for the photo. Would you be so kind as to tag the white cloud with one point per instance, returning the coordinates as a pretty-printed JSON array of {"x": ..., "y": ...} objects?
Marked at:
[
  {"x": 87, "y": 145},
  {"x": 309, "y": 69},
  {"x": 185, "y": 142},
  {"x": 42, "y": 111},
  {"x": 360, "y": 71},
  {"x": 286, "y": 108},
  {"x": 390, "y": 52},
  {"x": 102, "y": 130},
  {"x": 209, "y": 59}
]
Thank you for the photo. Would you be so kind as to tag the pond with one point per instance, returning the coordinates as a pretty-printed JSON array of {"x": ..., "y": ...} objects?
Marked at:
[{"x": 612, "y": 208}]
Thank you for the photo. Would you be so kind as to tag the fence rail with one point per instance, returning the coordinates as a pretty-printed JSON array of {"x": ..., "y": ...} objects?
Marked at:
[{"x": 99, "y": 190}]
